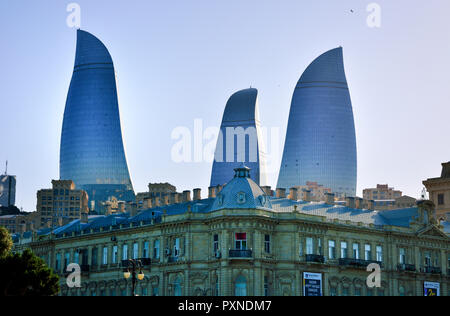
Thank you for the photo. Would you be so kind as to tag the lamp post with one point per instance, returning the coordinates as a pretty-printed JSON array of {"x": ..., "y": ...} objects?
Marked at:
[{"x": 135, "y": 266}]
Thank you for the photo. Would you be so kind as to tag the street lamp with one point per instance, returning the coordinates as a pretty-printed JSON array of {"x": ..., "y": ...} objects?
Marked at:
[{"x": 135, "y": 266}]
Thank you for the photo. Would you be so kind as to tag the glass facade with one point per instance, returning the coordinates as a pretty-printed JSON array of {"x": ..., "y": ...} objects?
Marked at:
[
  {"x": 321, "y": 142},
  {"x": 92, "y": 152},
  {"x": 240, "y": 140},
  {"x": 7, "y": 190}
]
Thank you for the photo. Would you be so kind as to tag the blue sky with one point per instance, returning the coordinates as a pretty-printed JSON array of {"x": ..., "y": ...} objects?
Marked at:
[{"x": 180, "y": 60}]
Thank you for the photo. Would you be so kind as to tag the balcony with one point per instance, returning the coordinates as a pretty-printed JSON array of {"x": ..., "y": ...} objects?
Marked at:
[
  {"x": 315, "y": 258},
  {"x": 358, "y": 263},
  {"x": 431, "y": 270},
  {"x": 406, "y": 267},
  {"x": 238, "y": 254}
]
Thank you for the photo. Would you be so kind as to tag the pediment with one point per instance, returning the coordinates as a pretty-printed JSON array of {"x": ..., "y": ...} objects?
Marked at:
[{"x": 431, "y": 231}]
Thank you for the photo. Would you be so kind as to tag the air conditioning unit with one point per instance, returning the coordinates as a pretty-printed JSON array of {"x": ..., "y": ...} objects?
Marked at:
[{"x": 218, "y": 254}]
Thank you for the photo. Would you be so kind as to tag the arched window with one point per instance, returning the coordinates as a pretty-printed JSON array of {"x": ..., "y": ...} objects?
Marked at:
[
  {"x": 240, "y": 286},
  {"x": 177, "y": 287}
]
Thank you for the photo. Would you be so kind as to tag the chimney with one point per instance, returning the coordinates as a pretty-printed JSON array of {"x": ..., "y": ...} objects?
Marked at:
[
  {"x": 329, "y": 198},
  {"x": 173, "y": 198},
  {"x": 219, "y": 188},
  {"x": 84, "y": 218},
  {"x": 359, "y": 203},
  {"x": 180, "y": 197},
  {"x": 133, "y": 211},
  {"x": 281, "y": 193},
  {"x": 148, "y": 203},
  {"x": 293, "y": 194},
  {"x": 350, "y": 202},
  {"x": 267, "y": 190},
  {"x": 165, "y": 200},
  {"x": 306, "y": 195},
  {"x": 197, "y": 194},
  {"x": 186, "y": 196},
  {"x": 211, "y": 192}
]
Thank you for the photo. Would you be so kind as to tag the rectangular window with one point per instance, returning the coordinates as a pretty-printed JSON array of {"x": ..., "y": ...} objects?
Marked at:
[
  {"x": 379, "y": 253},
  {"x": 331, "y": 249},
  {"x": 241, "y": 241},
  {"x": 266, "y": 286},
  {"x": 402, "y": 256},
  {"x": 156, "y": 249},
  {"x": 66, "y": 259},
  {"x": 440, "y": 199},
  {"x": 114, "y": 254},
  {"x": 267, "y": 243},
  {"x": 135, "y": 250},
  {"x": 427, "y": 257},
  {"x": 355, "y": 251},
  {"x": 58, "y": 262},
  {"x": 367, "y": 252},
  {"x": 146, "y": 249},
  {"x": 216, "y": 243},
  {"x": 94, "y": 257},
  {"x": 309, "y": 246},
  {"x": 105, "y": 256},
  {"x": 343, "y": 249},
  {"x": 319, "y": 246},
  {"x": 125, "y": 252},
  {"x": 176, "y": 247}
]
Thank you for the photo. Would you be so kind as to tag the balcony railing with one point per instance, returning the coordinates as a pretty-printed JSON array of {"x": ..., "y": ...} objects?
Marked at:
[
  {"x": 360, "y": 263},
  {"x": 432, "y": 270},
  {"x": 406, "y": 267},
  {"x": 315, "y": 258},
  {"x": 238, "y": 253}
]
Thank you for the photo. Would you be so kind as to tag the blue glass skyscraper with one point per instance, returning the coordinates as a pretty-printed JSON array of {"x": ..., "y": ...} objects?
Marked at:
[
  {"x": 320, "y": 142},
  {"x": 92, "y": 152},
  {"x": 239, "y": 140}
]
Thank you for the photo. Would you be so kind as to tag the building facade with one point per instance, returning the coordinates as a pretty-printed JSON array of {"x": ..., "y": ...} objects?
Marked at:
[
  {"x": 244, "y": 243},
  {"x": 7, "y": 190},
  {"x": 381, "y": 192},
  {"x": 320, "y": 142},
  {"x": 92, "y": 152},
  {"x": 439, "y": 191},
  {"x": 62, "y": 203},
  {"x": 240, "y": 139}
]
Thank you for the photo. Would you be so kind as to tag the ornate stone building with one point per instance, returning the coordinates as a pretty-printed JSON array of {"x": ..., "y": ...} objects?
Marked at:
[
  {"x": 243, "y": 242},
  {"x": 439, "y": 190}
]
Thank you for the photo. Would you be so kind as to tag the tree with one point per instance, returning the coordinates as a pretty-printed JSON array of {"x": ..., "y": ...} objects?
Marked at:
[
  {"x": 24, "y": 274},
  {"x": 6, "y": 242}
]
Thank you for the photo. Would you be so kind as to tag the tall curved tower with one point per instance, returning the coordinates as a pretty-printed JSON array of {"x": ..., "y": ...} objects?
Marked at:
[
  {"x": 321, "y": 142},
  {"x": 240, "y": 140},
  {"x": 92, "y": 152}
]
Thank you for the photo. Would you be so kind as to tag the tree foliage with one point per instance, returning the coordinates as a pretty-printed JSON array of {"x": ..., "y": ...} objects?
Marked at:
[{"x": 24, "y": 274}]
